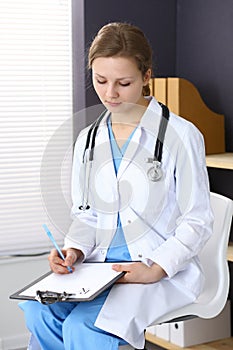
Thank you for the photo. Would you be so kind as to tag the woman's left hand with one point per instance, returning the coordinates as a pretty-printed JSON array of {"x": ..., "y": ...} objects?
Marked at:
[{"x": 139, "y": 273}]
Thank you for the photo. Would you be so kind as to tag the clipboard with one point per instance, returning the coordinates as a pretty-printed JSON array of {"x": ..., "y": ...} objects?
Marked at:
[{"x": 84, "y": 284}]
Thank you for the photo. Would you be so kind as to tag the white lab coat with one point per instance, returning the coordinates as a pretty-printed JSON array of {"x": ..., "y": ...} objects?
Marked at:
[{"x": 166, "y": 222}]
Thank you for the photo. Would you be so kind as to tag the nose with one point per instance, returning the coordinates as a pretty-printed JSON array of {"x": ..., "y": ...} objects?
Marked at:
[{"x": 111, "y": 91}]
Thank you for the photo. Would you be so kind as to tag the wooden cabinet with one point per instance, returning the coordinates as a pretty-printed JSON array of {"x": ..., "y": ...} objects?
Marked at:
[
  {"x": 223, "y": 344},
  {"x": 183, "y": 98},
  {"x": 221, "y": 161}
]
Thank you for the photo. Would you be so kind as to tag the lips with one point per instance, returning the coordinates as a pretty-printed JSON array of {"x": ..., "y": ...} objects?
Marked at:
[{"x": 113, "y": 104}]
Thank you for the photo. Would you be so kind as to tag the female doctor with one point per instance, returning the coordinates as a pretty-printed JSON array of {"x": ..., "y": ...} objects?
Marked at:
[{"x": 132, "y": 201}]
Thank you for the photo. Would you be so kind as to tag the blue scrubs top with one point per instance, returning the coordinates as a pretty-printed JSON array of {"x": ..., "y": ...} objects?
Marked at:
[{"x": 118, "y": 250}]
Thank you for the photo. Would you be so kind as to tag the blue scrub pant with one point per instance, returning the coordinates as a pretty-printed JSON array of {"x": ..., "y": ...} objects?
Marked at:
[{"x": 69, "y": 325}]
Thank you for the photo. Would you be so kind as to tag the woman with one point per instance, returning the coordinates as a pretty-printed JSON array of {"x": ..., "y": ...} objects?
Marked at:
[{"x": 125, "y": 212}]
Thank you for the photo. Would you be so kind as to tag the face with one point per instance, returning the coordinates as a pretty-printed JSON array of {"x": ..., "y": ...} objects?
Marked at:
[{"x": 118, "y": 83}]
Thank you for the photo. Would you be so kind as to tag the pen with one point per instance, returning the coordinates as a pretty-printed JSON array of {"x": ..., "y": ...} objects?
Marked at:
[{"x": 56, "y": 245}]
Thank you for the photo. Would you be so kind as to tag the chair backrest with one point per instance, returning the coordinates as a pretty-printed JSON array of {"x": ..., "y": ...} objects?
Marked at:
[{"x": 214, "y": 261}]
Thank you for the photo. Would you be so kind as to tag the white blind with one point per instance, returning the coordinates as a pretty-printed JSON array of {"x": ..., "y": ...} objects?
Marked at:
[{"x": 35, "y": 123}]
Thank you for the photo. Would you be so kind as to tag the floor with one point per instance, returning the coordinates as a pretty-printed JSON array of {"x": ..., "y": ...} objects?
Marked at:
[{"x": 148, "y": 347}]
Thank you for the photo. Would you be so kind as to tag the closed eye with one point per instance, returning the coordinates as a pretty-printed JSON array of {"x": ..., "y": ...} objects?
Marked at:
[
  {"x": 124, "y": 84},
  {"x": 101, "y": 81},
  {"x": 104, "y": 82}
]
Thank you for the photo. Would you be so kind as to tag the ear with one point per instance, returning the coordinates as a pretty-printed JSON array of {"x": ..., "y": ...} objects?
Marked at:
[{"x": 147, "y": 77}]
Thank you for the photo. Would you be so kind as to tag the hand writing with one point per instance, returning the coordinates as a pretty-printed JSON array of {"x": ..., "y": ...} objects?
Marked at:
[{"x": 58, "y": 265}]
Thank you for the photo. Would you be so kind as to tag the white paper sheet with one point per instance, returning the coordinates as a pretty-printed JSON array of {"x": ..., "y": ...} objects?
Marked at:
[{"x": 87, "y": 280}]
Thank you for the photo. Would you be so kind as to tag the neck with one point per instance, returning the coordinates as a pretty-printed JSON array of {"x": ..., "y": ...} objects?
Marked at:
[{"x": 131, "y": 115}]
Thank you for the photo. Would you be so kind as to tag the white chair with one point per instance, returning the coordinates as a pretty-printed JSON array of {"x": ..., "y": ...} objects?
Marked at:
[
  {"x": 214, "y": 261},
  {"x": 213, "y": 258}
]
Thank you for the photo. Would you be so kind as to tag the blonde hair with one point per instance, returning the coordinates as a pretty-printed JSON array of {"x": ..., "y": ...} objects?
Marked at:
[{"x": 124, "y": 40}]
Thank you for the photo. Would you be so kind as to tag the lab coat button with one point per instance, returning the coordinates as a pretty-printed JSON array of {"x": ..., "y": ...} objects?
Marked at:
[
  {"x": 102, "y": 252},
  {"x": 129, "y": 221},
  {"x": 140, "y": 255}
]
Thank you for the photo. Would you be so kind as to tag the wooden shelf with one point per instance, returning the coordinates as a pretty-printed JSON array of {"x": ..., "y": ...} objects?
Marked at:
[
  {"x": 223, "y": 344},
  {"x": 221, "y": 160},
  {"x": 230, "y": 253},
  {"x": 161, "y": 342}
]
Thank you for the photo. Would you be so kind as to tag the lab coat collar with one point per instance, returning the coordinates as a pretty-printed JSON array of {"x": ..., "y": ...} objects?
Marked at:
[
  {"x": 149, "y": 123},
  {"x": 151, "y": 118}
]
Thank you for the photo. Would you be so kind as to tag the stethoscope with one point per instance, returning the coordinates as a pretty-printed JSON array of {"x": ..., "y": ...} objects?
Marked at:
[{"x": 154, "y": 174}]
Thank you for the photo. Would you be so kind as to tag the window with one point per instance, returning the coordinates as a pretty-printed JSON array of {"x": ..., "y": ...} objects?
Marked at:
[{"x": 35, "y": 123}]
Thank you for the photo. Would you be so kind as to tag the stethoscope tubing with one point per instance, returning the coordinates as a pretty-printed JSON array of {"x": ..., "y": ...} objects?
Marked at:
[{"x": 154, "y": 173}]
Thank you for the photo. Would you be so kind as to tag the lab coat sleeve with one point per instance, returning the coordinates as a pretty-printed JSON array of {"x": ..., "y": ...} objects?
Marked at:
[
  {"x": 82, "y": 232},
  {"x": 194, "y": 225}
]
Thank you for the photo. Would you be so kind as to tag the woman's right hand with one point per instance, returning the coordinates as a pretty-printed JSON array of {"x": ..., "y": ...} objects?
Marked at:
[{"x": 58, "y": 265}]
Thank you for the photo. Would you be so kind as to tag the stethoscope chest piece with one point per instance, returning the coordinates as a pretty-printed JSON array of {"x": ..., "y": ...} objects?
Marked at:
[{"x": 155, "y": 173}]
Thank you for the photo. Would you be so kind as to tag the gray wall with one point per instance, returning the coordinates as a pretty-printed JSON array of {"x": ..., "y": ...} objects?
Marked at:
[
  {"x": 16, "y": 273},
  {"x": 205, "y": 53}
]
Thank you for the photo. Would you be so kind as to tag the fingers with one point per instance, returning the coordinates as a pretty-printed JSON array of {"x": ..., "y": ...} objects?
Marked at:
[
  {"x": 54, "y": 260},
  {"x": 70, "y": 257},
  {"x": 57, "y": 264},
  {"x": 122, "y": 267},
  {"x": 127, "y": 268}
]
